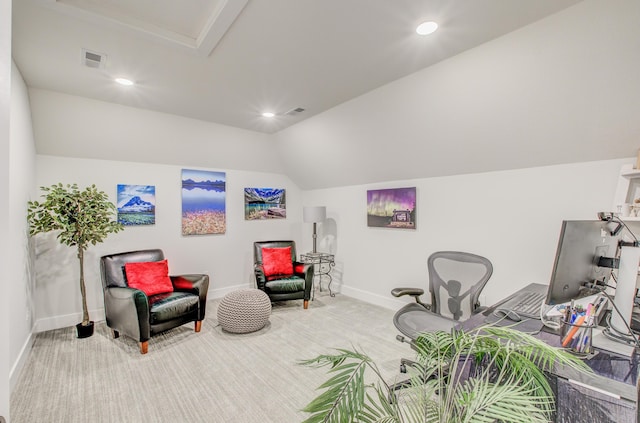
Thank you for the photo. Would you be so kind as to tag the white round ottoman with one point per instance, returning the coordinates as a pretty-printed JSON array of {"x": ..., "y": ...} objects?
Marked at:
[{"x": 244, "y": 311}]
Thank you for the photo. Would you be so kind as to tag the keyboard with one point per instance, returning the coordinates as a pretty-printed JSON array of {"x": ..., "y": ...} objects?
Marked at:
[{"x": 526, "y": 304}]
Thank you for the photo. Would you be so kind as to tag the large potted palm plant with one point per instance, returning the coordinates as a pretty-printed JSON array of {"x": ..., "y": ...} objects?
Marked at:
[
  {"x": 82, "y": 218},
  {"x": 489, "y": 374}
]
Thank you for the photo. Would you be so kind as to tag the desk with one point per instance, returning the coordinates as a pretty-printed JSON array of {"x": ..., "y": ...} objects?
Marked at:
[
  {"x": 323, "y": 263},
  {"x": 609, "y": 395}
]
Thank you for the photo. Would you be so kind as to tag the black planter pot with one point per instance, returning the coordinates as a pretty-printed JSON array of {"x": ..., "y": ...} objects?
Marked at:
[{"x": 84, "y": 331}]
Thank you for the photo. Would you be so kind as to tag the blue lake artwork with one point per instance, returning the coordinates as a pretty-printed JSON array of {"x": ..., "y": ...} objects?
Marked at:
[{"x": 203, "y": 202}]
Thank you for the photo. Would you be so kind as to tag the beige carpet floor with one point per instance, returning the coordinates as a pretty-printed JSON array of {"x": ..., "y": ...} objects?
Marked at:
[{"x": 211, "y": 376}]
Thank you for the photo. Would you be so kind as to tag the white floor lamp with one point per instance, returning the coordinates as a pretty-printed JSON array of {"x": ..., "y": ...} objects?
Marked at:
[{"x": 314, "y": 215}]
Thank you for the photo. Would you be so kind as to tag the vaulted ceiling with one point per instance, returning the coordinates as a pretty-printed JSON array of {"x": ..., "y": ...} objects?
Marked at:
[{"x": 226, "y": 61}]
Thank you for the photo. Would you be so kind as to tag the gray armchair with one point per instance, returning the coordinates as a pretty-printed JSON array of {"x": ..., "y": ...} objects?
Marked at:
[
  {"x": 456, "y": 280},
  {"x": 289, "y": 285},
  {"x": 131, "y": 312}
]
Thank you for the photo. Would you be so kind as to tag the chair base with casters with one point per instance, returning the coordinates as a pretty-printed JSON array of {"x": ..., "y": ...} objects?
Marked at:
[
  {"x": 293, "y": 284},
  {"x": 405, "y": 363},
  {"x": 456, "y": 280},
  {"x": 411, "y": 321},
  {"x": 131, "y": 312}
]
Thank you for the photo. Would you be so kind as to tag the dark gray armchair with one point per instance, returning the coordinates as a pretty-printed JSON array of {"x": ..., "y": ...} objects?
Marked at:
[
  {"x": 456, "y": 279},
  {"x": 294, "y": 285},
  {"x": 131, "y": 312}
]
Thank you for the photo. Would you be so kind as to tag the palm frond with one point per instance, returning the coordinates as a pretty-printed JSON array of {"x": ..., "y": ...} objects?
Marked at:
[
  {"x": 485, "y": 375},
  {"x": 379, "y": 409},
  {"x": 344, "y": 394},
  {"x": 482, "y": 401}
]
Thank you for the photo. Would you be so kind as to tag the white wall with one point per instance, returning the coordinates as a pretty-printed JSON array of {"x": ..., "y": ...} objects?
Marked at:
[
  {"x": 22, "y": 189},
  {"x": 511, "y": 217},
  {"x": 5, "y": 185},
  {"x": 227, "y": 258},
  {"x": 72, "y": 126},
  {"x": 566, "y": 84},
  {"x": 86, "y": 141}
]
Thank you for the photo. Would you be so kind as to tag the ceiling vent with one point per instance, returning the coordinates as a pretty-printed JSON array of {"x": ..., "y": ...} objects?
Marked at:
[
  {"x": 295, "y": 111},
  {"x": 91, "y": 59}
]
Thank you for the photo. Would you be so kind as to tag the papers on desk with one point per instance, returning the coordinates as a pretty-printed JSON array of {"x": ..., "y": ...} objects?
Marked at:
[{"x": 558, "y": 309}]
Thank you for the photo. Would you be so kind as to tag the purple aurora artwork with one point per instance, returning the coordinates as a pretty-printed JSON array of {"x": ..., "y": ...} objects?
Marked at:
[{"x": 392, "y": 208}]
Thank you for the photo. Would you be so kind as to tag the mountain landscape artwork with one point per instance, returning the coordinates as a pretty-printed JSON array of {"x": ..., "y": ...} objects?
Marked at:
[
  {"x": 392, "y": 208},
  {"x": 264, "y": 203},
  {"x": 203, "y": 202},
  {"x": 136, "y": 205}
]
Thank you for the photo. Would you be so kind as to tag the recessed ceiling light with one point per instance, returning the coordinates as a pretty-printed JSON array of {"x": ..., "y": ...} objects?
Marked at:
[
  {"x": 426, "y": 28},
  {"x": 268, "y": 114},
  {"x": 124, "y": 81}
]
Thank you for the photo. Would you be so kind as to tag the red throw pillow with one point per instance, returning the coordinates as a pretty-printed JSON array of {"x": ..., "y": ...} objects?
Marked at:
[
  {"x": 149, "y": 277},
  {"x": 277, "y": 261}
]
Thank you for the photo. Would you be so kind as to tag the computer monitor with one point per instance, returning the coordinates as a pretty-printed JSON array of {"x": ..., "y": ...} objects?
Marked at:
[{"x": 581, "y": 244}]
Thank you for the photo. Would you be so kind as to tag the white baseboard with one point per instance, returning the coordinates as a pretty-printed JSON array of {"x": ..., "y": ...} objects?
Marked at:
[
  {"x": 391, "y": 303},
  {"x": 64, "y": 321},
  {"x": 17, "y": 367},
  {"x": 221, "y": 292}
]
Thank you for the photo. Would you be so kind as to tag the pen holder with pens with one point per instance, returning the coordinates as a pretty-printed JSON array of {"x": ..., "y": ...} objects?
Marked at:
[{"x": 576, "y": 337}]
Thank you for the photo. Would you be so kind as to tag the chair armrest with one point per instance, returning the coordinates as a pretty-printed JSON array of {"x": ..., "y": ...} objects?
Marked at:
[
  {"x": 261, "y": 279},
  {"x": 127, "y": 311},
  {"x": 306, "y": 274},
  {"x": 414, "y": 292},
  {"x": 399, "y": 292},
  {"x": 196, "y": 283}
]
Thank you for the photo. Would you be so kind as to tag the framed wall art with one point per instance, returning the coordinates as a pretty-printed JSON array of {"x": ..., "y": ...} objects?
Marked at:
[
  {"x": 136, "y": 204},
  {"x": 264, "y": 203},
  {"x": 203, "y": 202},
  {"x": 392, "y": 208}
]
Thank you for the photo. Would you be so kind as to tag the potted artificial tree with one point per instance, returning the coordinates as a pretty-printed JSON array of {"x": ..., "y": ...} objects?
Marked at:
[{"x": 82, "y": 218}]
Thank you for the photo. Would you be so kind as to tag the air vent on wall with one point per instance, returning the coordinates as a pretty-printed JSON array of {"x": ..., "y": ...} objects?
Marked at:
[
  {"x": 92, "y": 59},
  {"x": 295, "y": 111}
]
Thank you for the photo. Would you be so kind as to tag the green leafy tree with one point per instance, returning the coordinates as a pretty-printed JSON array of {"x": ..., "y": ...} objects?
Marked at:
[
  {"x": 490, "y": 374},
  {"x": 82, "y": 217}
]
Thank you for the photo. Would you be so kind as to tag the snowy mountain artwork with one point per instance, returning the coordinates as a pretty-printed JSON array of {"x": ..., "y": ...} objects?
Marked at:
[{"x": 137, "y": 204}]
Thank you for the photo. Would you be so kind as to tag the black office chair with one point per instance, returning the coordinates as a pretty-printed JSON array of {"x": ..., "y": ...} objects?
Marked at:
[{"x": 456, "y": 280}]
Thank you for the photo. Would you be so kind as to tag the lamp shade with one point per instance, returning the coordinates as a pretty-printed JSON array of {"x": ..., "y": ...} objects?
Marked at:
[{"x": 314, "y": 214}]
